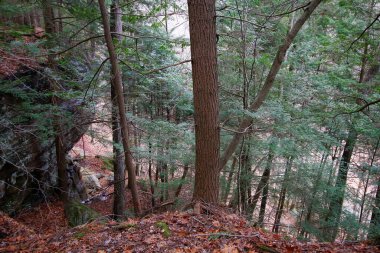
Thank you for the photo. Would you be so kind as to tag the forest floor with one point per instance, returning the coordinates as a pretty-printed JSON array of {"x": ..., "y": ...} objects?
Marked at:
[
  {"x": 217, "y": 229},
  {"x": 45, "y": 229}
]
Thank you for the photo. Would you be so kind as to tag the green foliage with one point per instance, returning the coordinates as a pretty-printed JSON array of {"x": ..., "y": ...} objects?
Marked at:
[{"x": 164, "y": 228}]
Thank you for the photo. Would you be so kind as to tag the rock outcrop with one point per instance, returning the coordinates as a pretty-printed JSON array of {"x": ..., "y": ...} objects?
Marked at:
[{"x": 28, "y": 171}]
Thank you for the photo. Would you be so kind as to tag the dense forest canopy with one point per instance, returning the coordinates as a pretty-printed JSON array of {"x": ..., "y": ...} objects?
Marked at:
[{"x": 270, "y": 108}]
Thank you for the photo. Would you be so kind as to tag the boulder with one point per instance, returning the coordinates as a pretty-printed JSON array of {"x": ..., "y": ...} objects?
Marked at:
[
  {"x": 91, "y": 179},
  {"x": 28, "y": 171}
]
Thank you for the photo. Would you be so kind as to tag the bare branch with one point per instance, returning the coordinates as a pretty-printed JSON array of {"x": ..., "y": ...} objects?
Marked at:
[{"x": 365, "y": 30}]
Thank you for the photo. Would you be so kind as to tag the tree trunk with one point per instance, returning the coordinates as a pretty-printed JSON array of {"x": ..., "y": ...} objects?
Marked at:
[
  {"x": 206, "y": 99},
  {"x": 59, "y": 138},
  {"x": 265, "y": 191},
  {"x": 336, "y": 203},
  {"x": 367, "y": 181},
  {"x": 263, "y": 181},
  {"x": 185, "y": 171},
  {"x": 244, "y": 177},
  {"x": 118, "y": 86},
  {"x": 229, "y": 181},
  {"x": 276, "y": 65},
  {"x": 374, "y": 230},
  {"x": 281, "y": 200},
  {"x": 119, "y": 170}
]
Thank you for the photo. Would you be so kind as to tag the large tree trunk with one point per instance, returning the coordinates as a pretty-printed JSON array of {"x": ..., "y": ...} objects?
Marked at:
[
  {"x": 118, "y": 86},
  {"x": 276, "y": 65},
  {"x": 206, "y": 99},
  {"x": 119, "y": 170}
]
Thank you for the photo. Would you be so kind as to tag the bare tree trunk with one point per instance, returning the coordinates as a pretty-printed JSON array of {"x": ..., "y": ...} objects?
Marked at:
[
  {"x": 336, "y": 203},
  {"x": 281, "y": 201},
  {"x": 265, "y": 191},
  {"x": 229, "y": 181},
  {"x": 118, "y": 86},
  {"x": 118, "y": 163},
  {"x": 276, "y": 65},
  {"x": 151, "y": 176},
  {"x": 59, "y": 138},
  {"x": 263, "y": 181},
  {"x": 185, "y": 171},
  {"x": 206, "y": 99},
  {"x": 367, "y": 181},
  {"x": 374, "y": 229}
]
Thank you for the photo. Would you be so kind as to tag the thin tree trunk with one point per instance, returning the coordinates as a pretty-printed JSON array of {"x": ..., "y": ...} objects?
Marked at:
[
  {"x": 281, "y": 201},
  {"x": 118, "y": 163},
  {"x": 206, "y": 99},
  {"x": 367, "y": 182},
  {"x": 59, "y": 138},
  {"x": 265, "y": 191},
  {"x": 245, "y": 177},
  {"x": 229, "y": 181},
  {"x": 276, "y": 65},
  {"x": 150, "y": 175},
  {"x": 336, "y": 202},
  {"x": 263, "y": 181},
  {"x": 185, "y": 171},
  {"x": 118, "y": 86},
  {"x": 374, "y": 229}
]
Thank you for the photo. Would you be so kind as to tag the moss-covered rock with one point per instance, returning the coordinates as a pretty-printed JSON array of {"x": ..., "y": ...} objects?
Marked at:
[{"x": 78, "y": 213}]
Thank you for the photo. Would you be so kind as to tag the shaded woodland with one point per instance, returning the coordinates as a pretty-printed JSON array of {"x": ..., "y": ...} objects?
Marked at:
[{"x": 263, "y": 112}]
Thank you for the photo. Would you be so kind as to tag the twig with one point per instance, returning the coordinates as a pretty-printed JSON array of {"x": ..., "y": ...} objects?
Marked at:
[
  {"x": 365, "y": 30},
  {"x": 228, "y": 235},
  {"x": 241, "y": 20}
]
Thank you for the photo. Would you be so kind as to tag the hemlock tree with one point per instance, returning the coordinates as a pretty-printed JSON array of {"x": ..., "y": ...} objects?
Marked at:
[
  {"x": 117, "y": 83},
  {"x": 206, "y": 99}
]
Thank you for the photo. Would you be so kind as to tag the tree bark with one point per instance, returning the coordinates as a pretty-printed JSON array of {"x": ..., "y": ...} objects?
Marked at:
[
  {"x": 118, "y": 86},
  {"x": 276, "y": 65},
  {"x": 118, "y": 167},
  {"x": 206, "y": 99}
]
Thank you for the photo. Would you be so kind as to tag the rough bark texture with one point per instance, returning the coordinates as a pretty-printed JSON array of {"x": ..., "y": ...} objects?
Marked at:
[
  {"x": 117, "y": 83},
  {"x": 276, "y": 65},
  {"x": 206, "y": 99}
]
